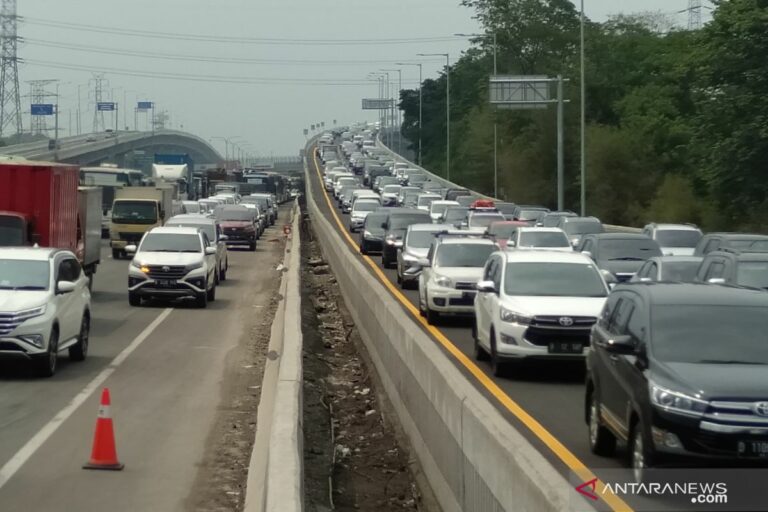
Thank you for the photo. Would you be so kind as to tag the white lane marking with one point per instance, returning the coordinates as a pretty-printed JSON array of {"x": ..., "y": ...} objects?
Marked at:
[{"x": 25, "y": 453}]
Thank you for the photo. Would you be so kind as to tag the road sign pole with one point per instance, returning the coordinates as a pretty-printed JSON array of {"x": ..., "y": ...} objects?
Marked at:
[
  {"x": 560, "y": 144},
  {"x": 56, "y": 129}
]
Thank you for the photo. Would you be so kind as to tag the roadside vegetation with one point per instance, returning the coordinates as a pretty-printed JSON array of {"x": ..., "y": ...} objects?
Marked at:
[{"x": 677, "y": 120}]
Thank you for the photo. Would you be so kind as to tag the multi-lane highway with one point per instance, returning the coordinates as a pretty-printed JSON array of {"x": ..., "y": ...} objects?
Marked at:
[
  {"x": 550, "y": 395},
  {"x": 169, "y": 367}
]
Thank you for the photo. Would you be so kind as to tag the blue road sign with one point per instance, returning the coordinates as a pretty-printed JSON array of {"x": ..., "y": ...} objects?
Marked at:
[
  {"x": 41, "y": 109},
  {"x": 104, "y": 106},
  {"x": 144, "y": 105}
]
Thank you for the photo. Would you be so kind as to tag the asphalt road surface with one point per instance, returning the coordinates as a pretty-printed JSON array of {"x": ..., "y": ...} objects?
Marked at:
[{"x": 166, "y": 367}]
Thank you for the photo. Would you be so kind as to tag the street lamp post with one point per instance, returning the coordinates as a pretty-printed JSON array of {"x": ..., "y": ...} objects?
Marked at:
[
  {"x": 583, "y": 160},
  {"x": 399, "y": 122},
  {"x": 495, "y": 122},
  {"x": 420, "y": 101},
  {"x": 447, "y": 109}
]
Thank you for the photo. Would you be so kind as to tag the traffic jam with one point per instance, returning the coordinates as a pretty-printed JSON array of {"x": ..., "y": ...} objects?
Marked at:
[
  {"x": 671, "y": 323},
  {"x": 173, "y": 229}
]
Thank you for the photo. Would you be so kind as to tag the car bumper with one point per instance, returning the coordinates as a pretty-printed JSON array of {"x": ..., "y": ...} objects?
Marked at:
[
  {"x": 29, "y": 339},
  {"x": 513, "y": 345},
  {"x": 356, "y": 223},
  {"x": 450, "y": 301},
  {"x": 190, "y": 285}
]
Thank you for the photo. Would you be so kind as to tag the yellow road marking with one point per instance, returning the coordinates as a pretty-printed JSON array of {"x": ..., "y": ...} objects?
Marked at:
[{"x": 554, "y": 444}]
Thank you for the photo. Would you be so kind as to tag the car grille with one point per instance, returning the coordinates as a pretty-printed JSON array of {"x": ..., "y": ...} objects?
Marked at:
[
  {"x": 466, "y": 286},
  {"x": 463, "y": 301},
  {"x": 167, "y": 271},
  {"x": 735, "y": 413},
  {"x": 623, "y": 278},
  {"x": 131, "y": 237},
  {"x": 10, "y": 321},
  {"x": 546, "y": 329},
  {"x": 10, "y": 347}
]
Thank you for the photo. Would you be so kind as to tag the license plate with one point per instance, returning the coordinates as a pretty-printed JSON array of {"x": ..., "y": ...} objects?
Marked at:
[
  {"x": 468, "y": 295},
  {"x": 757, "y": 449},
  {"x": 165, "y": 283},
  {"x": 565, "y": 347}
]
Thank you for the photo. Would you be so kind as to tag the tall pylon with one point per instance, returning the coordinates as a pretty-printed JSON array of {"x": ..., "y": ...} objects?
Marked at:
[
  {"x": 99, "y": 84},
  {"x": 694, "y": 14},
  {"x": 10, "y": 102}
]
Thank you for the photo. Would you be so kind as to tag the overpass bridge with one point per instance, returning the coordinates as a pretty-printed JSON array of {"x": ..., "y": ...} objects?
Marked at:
[{"x": 97, "y": 148}]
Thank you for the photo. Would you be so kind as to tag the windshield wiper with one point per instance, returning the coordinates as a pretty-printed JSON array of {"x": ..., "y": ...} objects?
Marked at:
[
  {"x": 627, "y": 258},
  {"x": 724, "y": 361},
  {"x": 29, "y": 287},
  {"x": 189, "y": 250}
]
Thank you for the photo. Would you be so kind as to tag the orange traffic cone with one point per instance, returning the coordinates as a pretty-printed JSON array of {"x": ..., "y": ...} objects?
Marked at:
[{"x": 104, "y": 454}]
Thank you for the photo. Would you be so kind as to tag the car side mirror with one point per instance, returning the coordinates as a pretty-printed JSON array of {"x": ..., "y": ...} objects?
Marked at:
[
  {"x": 587, "y": 254},
  {"x": 162, "y": 214},
  {"x": 486, "y": 287},
  {"x": 223, "y": 238},
  {"x": 210, "y": 251},
  {"x": 130, "y": 249},
  {"x": 511, "y": 243},
  {"x": 645, "y": 280},
  {"x": 63, "y": 287},
  {"x": 608, "y": 276},
  {"x": 423, "y": 262},
  {"x": 716, "y": 280},
  {"x": 620, "y": 344}
]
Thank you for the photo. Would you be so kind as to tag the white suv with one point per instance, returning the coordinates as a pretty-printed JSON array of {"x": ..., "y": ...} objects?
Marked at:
[
  {"x": 552, "y": 239},
  {"x": 453, "y": 266},
  {"x": 45, "y": 306},
  {"x": 674, "y": 239},
  {"x": 173, "y": 263},
  {"x": 536, "y": 304}
]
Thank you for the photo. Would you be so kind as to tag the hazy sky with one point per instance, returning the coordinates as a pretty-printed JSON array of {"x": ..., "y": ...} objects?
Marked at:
[{"x": 289, "y": 77}]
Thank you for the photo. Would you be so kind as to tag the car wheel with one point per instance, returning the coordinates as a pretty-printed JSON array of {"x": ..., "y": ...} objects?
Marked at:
[
  {"x": 363, "y": 248},
  {"x": 134, "y": 299},
  {"x": 252, "y": 246},
  {"x": 399, "y": 277},
  {"x": 223, "y": 274},
  {"x": 433, "y": 317},
  {"x": 211, "y": 294},
  {"x": 479, "y": 352},
  {"x": 79, "y": 351},
  {"x": 202, "y": 300},
  {"x": 115, "y": 254},
  {"x": 47, "y": 363},
  {"x": 640, "y": 457},
  {"x": 498, "y": 368},
  {"x": 601, "y": 440}
]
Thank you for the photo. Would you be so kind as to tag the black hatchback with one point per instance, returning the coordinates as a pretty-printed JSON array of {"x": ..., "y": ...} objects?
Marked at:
[{"x": 680, "y": 372}]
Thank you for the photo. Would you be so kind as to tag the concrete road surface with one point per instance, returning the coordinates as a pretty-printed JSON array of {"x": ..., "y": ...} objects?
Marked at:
[{"x": 166, "y": 366}]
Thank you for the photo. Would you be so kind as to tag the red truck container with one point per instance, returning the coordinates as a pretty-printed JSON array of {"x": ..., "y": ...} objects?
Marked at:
[{"x": 38, "y": 204}]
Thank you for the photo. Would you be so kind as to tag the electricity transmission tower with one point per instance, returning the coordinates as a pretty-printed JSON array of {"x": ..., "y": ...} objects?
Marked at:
[
  {"x": 10, "y": 103},
  {"x": 694, "y": 14},
  {"x": 99, "y": 86},
  {"x": 37, "y": 95}
]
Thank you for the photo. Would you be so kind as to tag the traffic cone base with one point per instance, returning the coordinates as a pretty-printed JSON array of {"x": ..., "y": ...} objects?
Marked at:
[{"x": 104, "y": 453}]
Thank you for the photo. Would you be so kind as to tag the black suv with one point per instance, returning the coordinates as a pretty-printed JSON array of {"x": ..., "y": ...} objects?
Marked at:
[
  {"x": 715, "y": 241},
  {"x": 732, "y": 266},
  {"x": 680, "y": 372},
  {"x": 397, "y": 221},
  {"x": 621, "y": 254}
]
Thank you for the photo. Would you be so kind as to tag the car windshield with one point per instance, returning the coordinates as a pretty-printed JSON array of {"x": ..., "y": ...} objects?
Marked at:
[
  {"x": 438, "y": 209},
  {"x": 706, "y": 335},
  {"x": 391, "y": 189},
  {"x": 757, "y": 245},
  {"x": 506, "y": 208},
  {"x": 677, "y": 237},
  {"x": 553, "y": 280},
  {"x": 453, "y": 214},
  {"x": 427, "y": 200},
  {"x": 628, "y": 249},
  {"x": 551, "y": 221},
  {"x": 231, "y": 214},
  {"x": 170, "y": 242},
  {"x": 752, "y": 273},
  {"x": 463, "y": 255},
  {"x": 501, "y": 230},
  {"x": 373, "y": 222},
  {"x": 11, "y": 231},
  {"x": 403, "y": 220},
  {"x": 483, "y": 221},
  {"x": 582, "y": 228},
  {"x": 420, "y": 239},
  {"x": 531, "y": 214},
  {"x": 24, "y": 275},
  {"x": 683, "y": 271},
  {"x": 134, "y": 212},
  {"x": 192, "y": 207},
  {"x": 208, "y": 229},
  {"x": 543, "y": 239},
  {"x": 366, "y": 206}
]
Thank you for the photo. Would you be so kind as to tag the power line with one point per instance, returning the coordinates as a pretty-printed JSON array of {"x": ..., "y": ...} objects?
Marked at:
[
  {"x": 226, "y": 39},
  {"x": 198, "y": 78},
  {"x": 200, "y": 58}
]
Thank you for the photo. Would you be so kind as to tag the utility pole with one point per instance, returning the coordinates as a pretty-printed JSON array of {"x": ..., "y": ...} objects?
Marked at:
[
  {"x": 583, "y": 100},
  {"x": 560, "y": 146},
  {"x": 10, "y": 102},
  {"x": 99, "y": 83},
  {"x": 420, "y": 100},
  {"x": 694, "y": 14}
]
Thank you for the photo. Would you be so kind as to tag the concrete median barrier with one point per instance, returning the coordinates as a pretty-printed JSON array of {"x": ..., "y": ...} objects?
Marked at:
[
  {"x": 473, "y": 457},
  {"x": 276, "y": 469}
]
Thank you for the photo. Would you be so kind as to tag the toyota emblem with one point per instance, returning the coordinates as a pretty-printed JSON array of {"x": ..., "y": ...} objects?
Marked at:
[
  {"x": 166, "y": 268},
  {"x": 566, "y": 321},
  {"x": 761, "y": 408}
]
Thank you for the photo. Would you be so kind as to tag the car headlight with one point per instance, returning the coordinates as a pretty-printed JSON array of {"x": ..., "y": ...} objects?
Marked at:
[
  {"x": 443, "y": 281},
  {"x": 513, "y": 317},
  {"x": 367, "y": 234},
  {"x": 194, "y": 266},
  {"x": 676, "y": 402}
]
